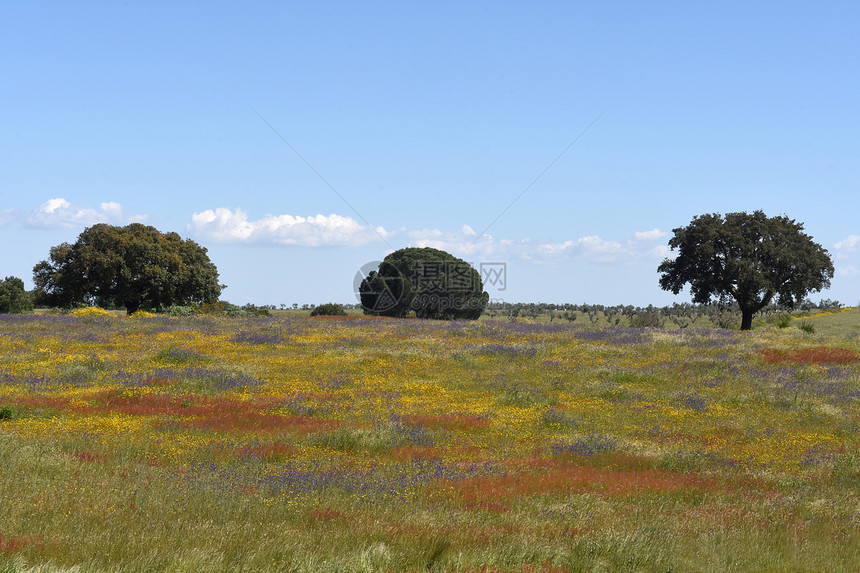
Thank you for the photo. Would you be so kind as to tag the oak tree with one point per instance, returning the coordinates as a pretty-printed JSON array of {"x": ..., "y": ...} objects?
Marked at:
[
  {"x": 751, "y": 258},
  {"x": 13, "y": 298},
  {"x": 135, "y": 266}
]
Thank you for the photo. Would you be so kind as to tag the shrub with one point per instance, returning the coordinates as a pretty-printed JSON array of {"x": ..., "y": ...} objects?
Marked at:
[
  {"x": 254, "y": 310},
  {"x": 92, "y": 312},
  {"x": 328, "y": 309},
  {"x": 646, "y": 320},
  {"x": 180, "y": 311},
  {"x": 142, "y": 314},
  {"x": 806, "y": 326},
  {"x": 213, "y": 307}
]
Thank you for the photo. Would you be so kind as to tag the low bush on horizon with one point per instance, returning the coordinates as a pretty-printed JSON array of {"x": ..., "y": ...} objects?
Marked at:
[
  {"x": 209, "y": 443},
  {"x": 328, "y": 309}
]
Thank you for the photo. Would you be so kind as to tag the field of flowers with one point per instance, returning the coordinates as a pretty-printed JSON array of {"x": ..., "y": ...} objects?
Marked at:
[{"x": 288, "y": 443}]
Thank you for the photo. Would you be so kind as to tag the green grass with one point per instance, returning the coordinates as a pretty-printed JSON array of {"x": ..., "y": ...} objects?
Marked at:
[
  {"x": 161, "y": 444},
  {"x": 844, "y": 323}
]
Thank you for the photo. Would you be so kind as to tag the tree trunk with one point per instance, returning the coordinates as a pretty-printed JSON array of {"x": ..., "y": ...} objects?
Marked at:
[{"x": 746, "y": 319}]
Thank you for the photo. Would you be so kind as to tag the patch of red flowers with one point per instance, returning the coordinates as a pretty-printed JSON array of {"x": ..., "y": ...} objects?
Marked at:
[
  {"x": 11, "y": 544},
  {"x": 553, "y": 477},
  {"x": 817, "y": 355}
]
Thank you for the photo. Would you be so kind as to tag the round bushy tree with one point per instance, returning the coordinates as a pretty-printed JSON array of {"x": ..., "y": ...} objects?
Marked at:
[
  {"x": 13, "y": 298},
  {"x": 429, "y": 282},
  {"x": 135, "y": 266}
]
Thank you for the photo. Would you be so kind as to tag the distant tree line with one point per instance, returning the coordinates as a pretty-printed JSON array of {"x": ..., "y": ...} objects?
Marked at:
[
  {"x": 736, "y": 266},
  {"x": 677, "y": 315}
]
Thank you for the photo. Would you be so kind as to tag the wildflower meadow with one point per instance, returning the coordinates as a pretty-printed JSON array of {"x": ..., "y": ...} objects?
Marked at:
[{"x": 295, "y": 443}]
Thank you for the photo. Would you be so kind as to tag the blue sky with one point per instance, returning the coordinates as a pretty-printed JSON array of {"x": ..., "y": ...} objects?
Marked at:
[{"x": 427, "y": 121}]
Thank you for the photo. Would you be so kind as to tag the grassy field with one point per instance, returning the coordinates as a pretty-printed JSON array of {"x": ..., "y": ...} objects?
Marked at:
[
  {"x": 845, "y": 323},
  {"x": 287, "y": 443}
]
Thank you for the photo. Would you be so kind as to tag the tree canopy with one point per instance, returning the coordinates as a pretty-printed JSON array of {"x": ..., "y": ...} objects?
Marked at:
[
  {"x": 429, "y": 282},
  {"x": 751, "y": 258},
  {"x": 13, "y": 298},
  {"x": 135, "y": 266}
]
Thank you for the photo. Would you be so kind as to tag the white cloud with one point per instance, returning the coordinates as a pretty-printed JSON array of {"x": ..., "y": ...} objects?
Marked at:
[
  {"x": 651, "y": 235},
  {"x": 465, "y": 243},
  {"x": 468, "y": 245},
  {"x": 58, "y": 213},
  {"x": 223, "y": 225},
  {"x": 592, "y": 248},
  {"x": 233, "y": 226},
  {"x": 847, "y": 245}
]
